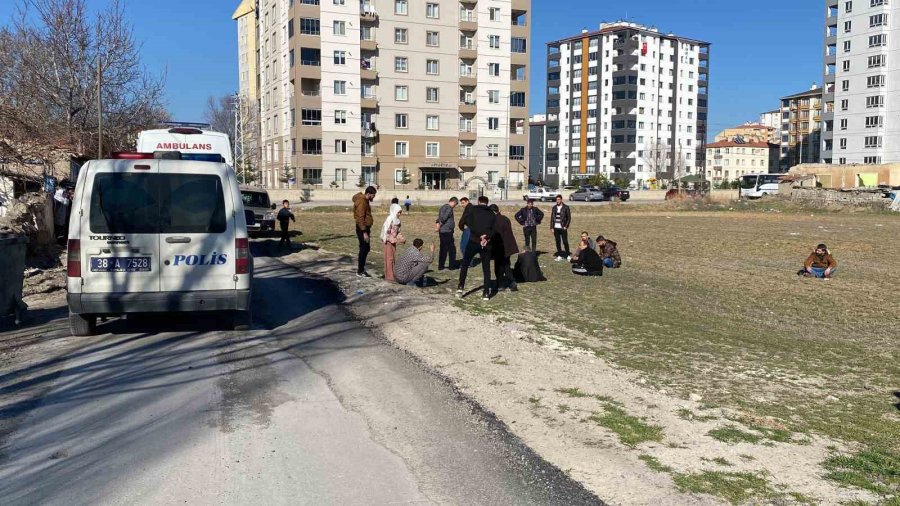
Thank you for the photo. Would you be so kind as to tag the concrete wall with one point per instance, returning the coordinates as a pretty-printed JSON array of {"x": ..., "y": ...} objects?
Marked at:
[{"x": 846, "y": 176}]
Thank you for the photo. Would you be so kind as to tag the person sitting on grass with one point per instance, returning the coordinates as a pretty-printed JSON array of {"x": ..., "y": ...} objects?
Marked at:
[
  {"x": 411, "y": 267},
  {"x": 819, "y": 264},
  {"x": 609, "y": 253},
  {"x": 588, "y": 262},
  {"x": 585, "y": 243}
]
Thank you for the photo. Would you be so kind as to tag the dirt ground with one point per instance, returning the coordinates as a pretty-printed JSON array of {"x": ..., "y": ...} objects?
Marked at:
[{"x": 702, "y": 371}]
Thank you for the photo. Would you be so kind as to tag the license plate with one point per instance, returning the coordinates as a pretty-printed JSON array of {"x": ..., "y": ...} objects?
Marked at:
[{"x": 120, "y": 264}]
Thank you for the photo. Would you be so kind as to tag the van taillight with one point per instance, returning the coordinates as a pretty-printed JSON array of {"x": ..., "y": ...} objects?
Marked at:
[
  {"x": 242, "y": 256},
  {"x": 73, "y": 258}
]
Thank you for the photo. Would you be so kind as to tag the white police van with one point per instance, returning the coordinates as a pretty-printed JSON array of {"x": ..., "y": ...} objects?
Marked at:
[{"x": 155, "y": 233}]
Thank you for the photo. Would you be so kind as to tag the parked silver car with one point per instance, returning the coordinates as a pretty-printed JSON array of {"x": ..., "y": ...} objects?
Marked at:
[{"x": 587, "y": 195}]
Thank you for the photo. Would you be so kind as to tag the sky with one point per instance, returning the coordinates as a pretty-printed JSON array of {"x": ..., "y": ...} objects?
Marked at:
[{"x": 761, "y": 50}]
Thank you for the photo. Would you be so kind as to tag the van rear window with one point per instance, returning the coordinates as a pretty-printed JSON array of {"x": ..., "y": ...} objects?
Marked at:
[{"x": 157, "y": 203}]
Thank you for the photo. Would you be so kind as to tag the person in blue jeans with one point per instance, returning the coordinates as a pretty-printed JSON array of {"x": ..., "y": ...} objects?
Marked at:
[
  {"x": 609, "y": 252},
  {"x": 819, "y": 264}
]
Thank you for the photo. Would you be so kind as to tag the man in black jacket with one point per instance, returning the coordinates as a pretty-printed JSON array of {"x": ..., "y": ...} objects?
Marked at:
[
  {"x": 560, "y": 219},
  {"x": 480, "y": 221},
  {"x": 530, "y": 217},
  {"x": 504, "y": 246},
  {"x": 285, "y": 217}
]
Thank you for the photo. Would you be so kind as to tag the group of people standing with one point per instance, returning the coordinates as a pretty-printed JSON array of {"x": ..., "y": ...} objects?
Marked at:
[{"x": 487, "y": 236}]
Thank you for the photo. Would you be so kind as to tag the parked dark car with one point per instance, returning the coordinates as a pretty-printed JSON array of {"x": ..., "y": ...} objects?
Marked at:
[
  {"x": 587, "y": 195},
  {"x": 615, "y": 193}
]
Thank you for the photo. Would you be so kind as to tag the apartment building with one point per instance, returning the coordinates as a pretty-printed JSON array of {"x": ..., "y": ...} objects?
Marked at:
[
  {"x": 247, "y": 134},
  {"x": 862, "y": 107},
  {"x": 394, "y": 93},
  {"x": 729, "y": 159},
  {"x": 537, "y": 148},
  {"x": 801, "y": 128},
  {"x": 749, "y": 132},
  {"x": 772, "y": 119},
  {"x": 626, "y": 101}
]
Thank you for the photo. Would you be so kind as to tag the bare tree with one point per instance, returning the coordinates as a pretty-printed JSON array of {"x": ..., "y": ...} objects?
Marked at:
[
  {"x": 220, "y": 114},
  {"x": 656, "y": 156},
  {"x": 52, "y": 58}
]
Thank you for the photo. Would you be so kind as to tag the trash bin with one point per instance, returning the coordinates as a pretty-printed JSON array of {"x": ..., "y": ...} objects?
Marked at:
[{"x": 12, "y": 275}]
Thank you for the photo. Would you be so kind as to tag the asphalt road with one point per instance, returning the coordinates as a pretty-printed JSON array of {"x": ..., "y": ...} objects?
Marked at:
[{"x": 308, "y": 408}]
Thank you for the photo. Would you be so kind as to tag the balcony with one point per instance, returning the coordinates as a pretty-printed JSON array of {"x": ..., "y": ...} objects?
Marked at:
[
  {"x": 368, "y": 16},
  {"x": 468, "y": 78},
  {"x": 468, "y": 51},
  {"x": 369, "y": 102},
  {"x": 368, "y": 131},
  {"x": 468, "y": 134},
  {"x": 368, "y": 74},
  {"x": 467, "y": 107},
  {"x": 368, "y": 45},
  {"x": 467, "y": 160},
  {"x": 468, "y": 21}
]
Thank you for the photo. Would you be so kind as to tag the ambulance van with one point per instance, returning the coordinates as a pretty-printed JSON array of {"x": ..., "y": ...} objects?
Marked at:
[{"x": 186, "y": 140}]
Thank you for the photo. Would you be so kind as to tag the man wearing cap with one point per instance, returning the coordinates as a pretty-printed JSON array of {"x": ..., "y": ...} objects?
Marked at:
[
  {"x": 362, "y": 215},
  {"x": 609, "y": 252}
]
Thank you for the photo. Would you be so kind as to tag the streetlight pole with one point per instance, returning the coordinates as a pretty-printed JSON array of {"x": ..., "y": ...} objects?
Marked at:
[{"x": 99, "y": 106}]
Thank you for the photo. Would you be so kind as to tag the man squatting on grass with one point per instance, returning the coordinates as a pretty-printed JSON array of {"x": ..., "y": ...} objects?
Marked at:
[
  {"x": 819, "y": 264},
  {"x": 362, "y": 215},
  {"x": 609, "y": 252},
  {"x": 480, "y": 220},
  {"x": 444, "y": 226},
  {"x": 411, "y": 267}
]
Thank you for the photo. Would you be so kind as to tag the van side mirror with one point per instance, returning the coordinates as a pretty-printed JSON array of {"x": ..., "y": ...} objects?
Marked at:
[{"x": 274, "y": 206}]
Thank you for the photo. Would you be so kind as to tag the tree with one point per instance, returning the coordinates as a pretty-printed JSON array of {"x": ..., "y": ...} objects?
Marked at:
[
  {"x": 52, "y": 58},
  {"x": 245, "y": 173},
  {"x": 287, "y": 173},
  {"x": 598, "y": 180},
  {"x": 362, "y": 181},
  {"x": 404, "y": 177},
  {"x": 656, "y": 158},
  {"x": 220, "y": 114}
]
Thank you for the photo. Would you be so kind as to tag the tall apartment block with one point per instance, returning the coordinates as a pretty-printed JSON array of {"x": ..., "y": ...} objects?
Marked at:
[
  {"x": 862, "y": 103},
  {"x": 801, "y": 128},
  {"x": 247, "y": 136},
  {"x": 626, "y": 101},
  {"x": 398, "y": 93}
]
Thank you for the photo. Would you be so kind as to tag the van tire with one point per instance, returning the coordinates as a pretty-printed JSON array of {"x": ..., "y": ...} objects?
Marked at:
[
  {"x": 82, "y": 324},
  {"x": 241, "y": 320}
]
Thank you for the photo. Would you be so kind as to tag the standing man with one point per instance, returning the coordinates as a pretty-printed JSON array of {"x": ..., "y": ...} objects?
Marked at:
[
  {"x": 560, "y": 219},
  {"x": 480, "y": 220},
  {"x": 466, "y": 234},
  {"x": 362, "y": 215},
  {"x": 285, "y": 217},
  {"x": 407, "y": 203},
  {"x": 62, "y": 199},
  {"x": 444, "y": 226},
  {"x": 504, "y": 247},
  {"x": 530, "y": 217}
]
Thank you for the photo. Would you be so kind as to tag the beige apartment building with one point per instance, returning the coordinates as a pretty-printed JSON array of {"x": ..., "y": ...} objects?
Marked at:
[
  {"x": 749, "y": 132},
  {"x": 728, "y": 160},
  {"x": 247, "y": 135},
  {"x": 396, "y": 93}
]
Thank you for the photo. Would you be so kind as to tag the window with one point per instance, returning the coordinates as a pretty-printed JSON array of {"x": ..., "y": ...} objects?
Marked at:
[
  {"x": 875, "y": 101},
  {"x": 432, "y": 95},
  {"x": 494, "y": 96},
  {"x": 517, "y": 152},
  {"x": 517, "y": 99},
  {"x": 309, "y": 26},
  {"x": 845, "y": 86},
  {"x": 878, "y": 40},
  {"x": 846, "y": 46},
  {"x": 400, "y": 35},
  {"x": 878, "y": 20},
  {"x": 432, "y": 67},
  {"x": 340, "y": 117},
  {"x": 340, "y": 175},
  {"x": 432, "y": 39},
  {"x": 340, "y": 2},
  {"x": 340, "y": 28},
  {"x": 401, "y": 121},
  {"x": 494, "y": 13},
  {"x": 401, "y": 149},
  {"x": 493, "y": 123},
  {"x": 493, "y": 150},
  {"x": 400, "y": 7},
  {"x": 874, "y": 121},
  {"x": 845, "y": 104},
  {"x": 842, "y": 143},
  {"x": 878, "y": 60},
  {"x": 848, "y": 7},
  {"x": 340, "y": 87},
  {"x": 340, "y": 146},
  {"x": 311, "y": 146},
  {"x": 432, "y": 150},
  {"x": 494, "y": 69},
  {"x": 845, "y": 65},
  {"x": 432, "y": 11},
  {"x": 494, "y": 41},
  {"x": 401, "y": 93},
  {"x": 847, "y": 26},
  {"x": 519, "y": 45},
  {"x": 875, "y": 81},
  {"x": 340, "y": 57},
  {"x": 432, "y": 122},
  {"x": 876, "y": 3},
  {"x": 310, "y": 117},
  {"x": 401, "y": 64},
  {"x": 873, "y": 141},
  {"x": 400, "y": 176},
  {"x": 844, "y": 124}
]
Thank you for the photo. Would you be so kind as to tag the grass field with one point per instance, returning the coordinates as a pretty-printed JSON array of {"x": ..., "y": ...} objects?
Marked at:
[{"x": 708, "y": 302}]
